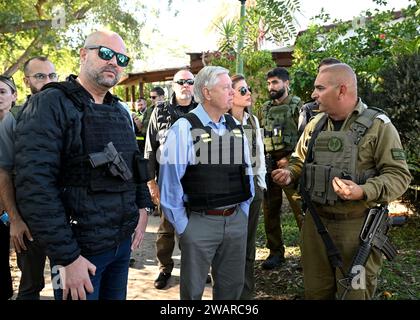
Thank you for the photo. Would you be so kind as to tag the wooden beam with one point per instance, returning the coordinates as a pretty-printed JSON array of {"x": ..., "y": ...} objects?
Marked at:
[
  {"x": 141, "y": 88},
  {"x": 133, "y": 95}
]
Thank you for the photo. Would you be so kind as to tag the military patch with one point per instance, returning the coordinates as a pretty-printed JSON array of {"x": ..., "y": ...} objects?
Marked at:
[
  {"x": 335, "y": 144},
  {"x": 398, "y": 154}
]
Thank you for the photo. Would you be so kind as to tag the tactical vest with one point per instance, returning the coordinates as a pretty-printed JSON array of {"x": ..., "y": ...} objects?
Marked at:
[
  {"x": 168, "y": 114},
  {"x": 101, "y": 124},
  {"x": 218, "y": 178},
  {"x": 280, "y": 128},
  {"x": 334, "y": 154}
]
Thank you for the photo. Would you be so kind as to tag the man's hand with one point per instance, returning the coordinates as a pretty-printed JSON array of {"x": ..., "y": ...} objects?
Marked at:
[
  {"x": 137, "y": 121},
  {"x": 140, "y": 229},
  {"x": 347, "y": 189},
  {"x": 282, "y": 163},
  {"x": 282, "y": 177},
  {"x": 75, "y": 278},
  {"x": 18, "y": 230},
  {"x": 154, "y": 191}
]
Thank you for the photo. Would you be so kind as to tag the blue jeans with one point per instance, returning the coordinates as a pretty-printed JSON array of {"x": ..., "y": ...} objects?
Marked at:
[{"x": 110, "y": 279}]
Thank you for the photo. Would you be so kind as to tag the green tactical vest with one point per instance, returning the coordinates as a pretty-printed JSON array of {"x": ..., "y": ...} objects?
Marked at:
[
  {"x": 335, "y": 154},
  {"x": 280, "y": 128}
]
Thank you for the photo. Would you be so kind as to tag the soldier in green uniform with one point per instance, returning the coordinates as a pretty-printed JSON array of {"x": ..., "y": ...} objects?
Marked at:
[
  {"x": 355, "y": 143},
  {"x": 280, "y": 122},
  {"x": 138, "y": 115}
]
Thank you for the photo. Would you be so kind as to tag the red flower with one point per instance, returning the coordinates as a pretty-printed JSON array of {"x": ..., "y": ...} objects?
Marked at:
[{"x": 382, "y": 36}]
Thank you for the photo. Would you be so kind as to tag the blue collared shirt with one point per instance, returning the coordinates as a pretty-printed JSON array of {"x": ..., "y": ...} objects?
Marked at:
[{"x": 175, "y": 155}]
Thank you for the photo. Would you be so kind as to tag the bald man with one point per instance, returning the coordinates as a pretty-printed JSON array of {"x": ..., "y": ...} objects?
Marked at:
[
  {"x": 352, "y": 160},
  {"x": 79, "y": 183}
]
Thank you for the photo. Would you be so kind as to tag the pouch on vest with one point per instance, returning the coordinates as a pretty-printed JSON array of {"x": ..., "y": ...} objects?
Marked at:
[{"x": 141, "y": 172}]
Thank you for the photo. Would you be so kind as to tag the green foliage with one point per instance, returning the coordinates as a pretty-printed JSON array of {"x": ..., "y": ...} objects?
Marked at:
[
  {"x": 28, "y": 30},
  {"x": 277, "y": 18},
  {"x": 401, "y": 100},
  {"x": 227, "y": 30},
  {"x": 270, "y": 20},
  {"x": 372, "y": 46},
  {"x": 401, "y": 277}
]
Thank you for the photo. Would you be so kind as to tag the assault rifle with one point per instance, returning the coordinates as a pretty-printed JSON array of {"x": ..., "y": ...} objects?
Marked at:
[
  {"x": 373, "y": 234},
  {"x": 116, "y": 163}
]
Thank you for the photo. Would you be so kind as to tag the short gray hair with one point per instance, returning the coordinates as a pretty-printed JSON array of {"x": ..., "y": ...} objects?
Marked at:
[{"x": 207, "y": 77}]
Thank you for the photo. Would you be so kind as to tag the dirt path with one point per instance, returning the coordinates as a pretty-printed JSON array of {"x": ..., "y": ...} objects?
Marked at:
[{"x": 141, "y": 275}]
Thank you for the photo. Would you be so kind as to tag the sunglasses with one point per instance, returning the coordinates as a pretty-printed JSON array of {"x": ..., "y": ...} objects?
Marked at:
[
  {"x": 153, "y": 97},
  {"x": 42, "y": 76},
  {"x": 243, "y": 90},
  {"x": 181, "y": 82},
  {"x": 107, "y": 54}
]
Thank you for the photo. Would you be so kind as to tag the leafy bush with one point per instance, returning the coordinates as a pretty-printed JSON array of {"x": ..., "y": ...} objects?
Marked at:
[{"x": 401, "y": 99}]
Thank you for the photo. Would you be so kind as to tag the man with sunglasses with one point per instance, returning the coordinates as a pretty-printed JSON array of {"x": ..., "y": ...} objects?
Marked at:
[
  {"x": 280, "y": 122},
  {"x": 79, "y": 177},
  {"x": 38, "y": 71},
  {"x": 157, "y": 95},
  {"x": 162, "y": 118}
]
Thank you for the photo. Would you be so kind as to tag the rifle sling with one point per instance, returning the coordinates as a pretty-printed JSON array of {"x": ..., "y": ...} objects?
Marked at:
[{"x": 333, "y": 253}]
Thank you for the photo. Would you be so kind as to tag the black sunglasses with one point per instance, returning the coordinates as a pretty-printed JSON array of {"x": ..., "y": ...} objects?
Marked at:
[
  {"x": 153, "y": 97},
  {"x": 181, "y": 82},
  {"x": 244, "y": 90},
  {"x": 107, "y": 54}
]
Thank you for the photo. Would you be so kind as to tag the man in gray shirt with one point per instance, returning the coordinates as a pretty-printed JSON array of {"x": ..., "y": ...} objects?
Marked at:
[{"x": 38, "y": 72}]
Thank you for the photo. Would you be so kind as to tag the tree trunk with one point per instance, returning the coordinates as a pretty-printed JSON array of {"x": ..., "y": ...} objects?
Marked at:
[{"x": 19, "y": 63}]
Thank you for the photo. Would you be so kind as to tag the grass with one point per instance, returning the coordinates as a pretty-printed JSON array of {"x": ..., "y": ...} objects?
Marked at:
[{"x": 399, "y": 279}]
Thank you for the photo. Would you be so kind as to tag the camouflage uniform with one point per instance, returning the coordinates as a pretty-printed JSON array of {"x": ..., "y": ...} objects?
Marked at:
[
  {"x": 379, "y": 150},
  {"x": 280, "y": 137}
]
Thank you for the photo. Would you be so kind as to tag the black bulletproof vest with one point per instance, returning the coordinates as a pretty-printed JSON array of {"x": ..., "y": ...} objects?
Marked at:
[
  {"x": 218, "y": 178},
  {"x": 101, "y": 124}
]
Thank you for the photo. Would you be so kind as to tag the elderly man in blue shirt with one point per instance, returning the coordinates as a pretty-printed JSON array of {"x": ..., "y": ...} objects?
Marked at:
[{"x": 206, "y": 189}]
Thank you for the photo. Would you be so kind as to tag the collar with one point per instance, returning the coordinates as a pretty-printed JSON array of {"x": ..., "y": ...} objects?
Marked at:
[
  {"x": 108, "y": 99},
  {"x": 205, "y": 118}
]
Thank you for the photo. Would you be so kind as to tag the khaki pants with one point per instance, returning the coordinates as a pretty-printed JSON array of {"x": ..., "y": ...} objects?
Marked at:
[
  {"x": 273, "y": 199},
  {"x": 254, "y": 213},
  {"x": 320, "y": 280}
]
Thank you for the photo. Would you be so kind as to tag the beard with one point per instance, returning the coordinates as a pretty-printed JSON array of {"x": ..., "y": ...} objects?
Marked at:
[
  {"x": 102, "y": 80},
  {"x": 274, "y": 95},
  {"x": 33, "y": 88},
  {"x": 185, "y": 96}
]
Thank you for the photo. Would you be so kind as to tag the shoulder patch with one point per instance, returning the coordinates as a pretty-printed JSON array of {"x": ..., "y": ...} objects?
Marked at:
[
  {"x": 398, "y": 154},
  {"x": 384, "y": 118}
]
